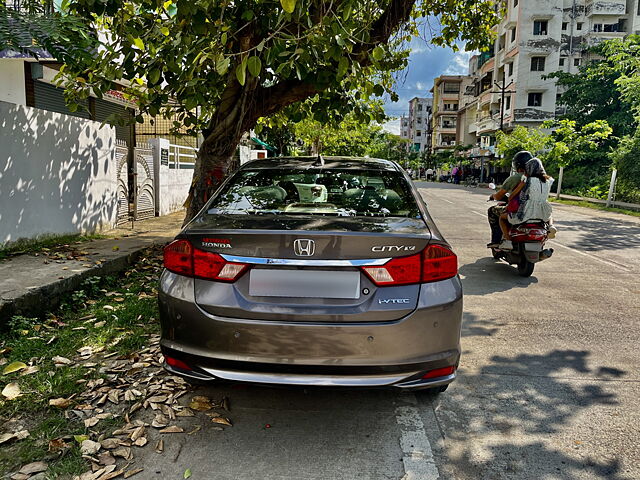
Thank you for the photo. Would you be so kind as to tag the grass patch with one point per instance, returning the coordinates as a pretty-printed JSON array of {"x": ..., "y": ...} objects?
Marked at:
[
  {"x": 112, "y": 314},
  {"x": 596, "y": 206},
  {"x": 45, "y": 243}
]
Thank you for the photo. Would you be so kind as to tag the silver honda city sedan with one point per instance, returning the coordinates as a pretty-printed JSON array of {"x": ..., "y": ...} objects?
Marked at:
[{"x": 313, "y": 271}]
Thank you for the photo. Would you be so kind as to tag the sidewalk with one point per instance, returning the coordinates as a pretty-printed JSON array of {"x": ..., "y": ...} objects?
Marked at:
[{"x": 30, "y": 283}]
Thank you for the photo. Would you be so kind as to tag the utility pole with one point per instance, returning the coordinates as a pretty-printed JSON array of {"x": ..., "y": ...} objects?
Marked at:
[{"x": 503, "y": 90}]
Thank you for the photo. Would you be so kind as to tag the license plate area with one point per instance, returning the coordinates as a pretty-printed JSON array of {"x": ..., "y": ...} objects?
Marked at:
[{"x": 307, "y": 283}]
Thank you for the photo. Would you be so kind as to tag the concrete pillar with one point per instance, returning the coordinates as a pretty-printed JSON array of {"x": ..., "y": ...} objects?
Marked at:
[{"x": 612, "y": 187}]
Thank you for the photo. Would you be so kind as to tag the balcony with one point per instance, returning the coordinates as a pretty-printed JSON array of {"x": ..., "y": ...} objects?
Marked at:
[{"x": 486, "y": 123}]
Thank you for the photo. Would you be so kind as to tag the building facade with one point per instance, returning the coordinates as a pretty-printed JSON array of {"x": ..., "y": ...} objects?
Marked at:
[
  {"x": 416, "y": 127},
  {"x": 448, "y": 93},
  {"x": 534, "y": 39}
]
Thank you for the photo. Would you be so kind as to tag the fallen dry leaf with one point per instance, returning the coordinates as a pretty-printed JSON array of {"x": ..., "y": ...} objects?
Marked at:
[
  {"x": 35, "y": 467},
  {"x": 137, "y": 433},
  {"x": 29, "y": 370},
  {"x": 160, "y": 421},
  {"x": 91, "y": 422},
  {"x": 160, "y": 446},
  {"x": 124, "y": 452},
  {"x": 140, "y": 442},
  {"x": 89, "y": 447},
  {"x": 60, "y": 361},
  {"x": 172, "y": 429},
  {"x": 110, "y": 443},
  {"x": 133, "y": 472},
  {"x": 221, "y": 421},
  {"x": 57, "y": 444},
  {"x": 200, "y": 403},
  {"x": 185, "y": 412},
  {"x": 11, "y": 391},
  {"x": 60, "y": 402},
  {"x": 196, "y": 429},
  {"x": 106, "y": 459},
  {"x": 14, "y": 367}
]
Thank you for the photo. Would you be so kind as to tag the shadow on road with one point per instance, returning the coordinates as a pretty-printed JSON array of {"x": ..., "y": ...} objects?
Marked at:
[
  {"x": 487, "y": 275},
  {"x": 600, "y": 233}
]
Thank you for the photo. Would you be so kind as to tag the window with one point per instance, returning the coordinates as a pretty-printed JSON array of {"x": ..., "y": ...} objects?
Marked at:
[
  {"x": 579, "y": 26},
  {"x": 513, "y": 34},
  {"x": 561, "y": 63},
  {"x": 419, "y": 108},
  {"x": 507, "y": 103},
  {"x": 558, "y": 98},
  {"x": 419, "y": 120},
  {"x": 565, "y": 25},
  {"x": 597, "y": 27},
  {"x": 576, "y": 62},
  {"x": 451, "y": 88},
  {"x": 511, "y": 69},
  {"x": 537, "y": 64},
  {"x": 316, "y": 191},
  {"x": 540, "y": 27},
  {"x": 418, "y": 133},
  {"x": 515, "y": 3},
  {"x": 535, "y": 99}
]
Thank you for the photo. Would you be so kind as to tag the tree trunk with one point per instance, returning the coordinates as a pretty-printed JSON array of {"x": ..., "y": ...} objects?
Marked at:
[{"x": 212, "y": 165}]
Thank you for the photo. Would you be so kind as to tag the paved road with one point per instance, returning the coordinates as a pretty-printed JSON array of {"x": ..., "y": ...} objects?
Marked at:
[{"x": 548, "y": 385}]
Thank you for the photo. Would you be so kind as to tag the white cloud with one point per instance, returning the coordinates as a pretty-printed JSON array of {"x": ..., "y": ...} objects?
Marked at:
[
  {"x": 459, "y": 64},
  {"x": 392, "y": 126}
]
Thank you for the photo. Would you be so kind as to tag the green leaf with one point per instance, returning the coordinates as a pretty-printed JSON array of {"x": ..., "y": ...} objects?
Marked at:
[
  {"x": 254, "y": 64},
  {"x": 154, "y": 76},
  {"x": 378, "y": 53},
  {"x": 343, "y": 64},
  {"x": 222, "y": 65},
  {"x": 164, "y": 31},
  {"x": 187, "y": 473},
  {"x": 14, "y": 367},
  {"x": 138, "y": 43},
  {"x": 241, "y": 72},
  {"x": 288, "y": 5}
]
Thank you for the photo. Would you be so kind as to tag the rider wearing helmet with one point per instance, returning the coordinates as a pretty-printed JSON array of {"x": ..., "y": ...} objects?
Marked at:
[{"x": 509, "y": 185}]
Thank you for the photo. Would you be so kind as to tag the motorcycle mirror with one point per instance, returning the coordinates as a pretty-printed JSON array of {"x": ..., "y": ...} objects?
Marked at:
[{"x": 492, "y": 186}]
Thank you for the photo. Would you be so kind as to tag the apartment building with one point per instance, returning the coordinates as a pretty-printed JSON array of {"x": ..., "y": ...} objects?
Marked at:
[
  {"x": 535, "y": 38},
  {"x": 417, "y": 126},
  {"x": 448, "y": 93}
]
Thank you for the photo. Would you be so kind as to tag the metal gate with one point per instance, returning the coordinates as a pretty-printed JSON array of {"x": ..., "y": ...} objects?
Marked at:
[
  {"x": 122, "y": 155},
  {"x": 145, "y": 190}
]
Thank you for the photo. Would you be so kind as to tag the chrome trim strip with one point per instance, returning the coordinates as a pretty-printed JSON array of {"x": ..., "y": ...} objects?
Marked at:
[
  {"x": 311, "y": 380},
  {"x": 305, "y": 263}
]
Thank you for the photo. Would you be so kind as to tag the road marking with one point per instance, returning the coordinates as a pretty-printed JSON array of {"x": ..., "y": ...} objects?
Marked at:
[
  {"x": 483, "y": 215},
  {"x": 594, "y": 257},
  {"x": 417, "y": 456}
]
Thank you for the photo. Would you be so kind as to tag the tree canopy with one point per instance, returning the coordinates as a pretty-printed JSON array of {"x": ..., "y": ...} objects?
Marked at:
[{"x": 222, "y": 65}]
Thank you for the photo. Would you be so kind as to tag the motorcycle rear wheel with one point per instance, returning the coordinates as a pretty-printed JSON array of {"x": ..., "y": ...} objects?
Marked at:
[{"x": 525, "y": 268}]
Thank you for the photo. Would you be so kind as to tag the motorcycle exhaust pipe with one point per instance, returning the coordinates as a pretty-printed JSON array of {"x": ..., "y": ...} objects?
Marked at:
[{"x": 546, "y": 253}]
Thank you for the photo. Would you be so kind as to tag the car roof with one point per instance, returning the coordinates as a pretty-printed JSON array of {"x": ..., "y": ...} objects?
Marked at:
[{"x": 306, "y": 163}]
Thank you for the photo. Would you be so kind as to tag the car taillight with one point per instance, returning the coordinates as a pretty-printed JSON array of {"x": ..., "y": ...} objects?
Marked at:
[
  {"x": 178, "y": 257},
  {"x": 434, "y": 263},
  {"x": 439, "y": 263},
  {"x": 182, "y": 258},
  {"x": 213, "y": 267},
  {"x": 398, "y": 271}
]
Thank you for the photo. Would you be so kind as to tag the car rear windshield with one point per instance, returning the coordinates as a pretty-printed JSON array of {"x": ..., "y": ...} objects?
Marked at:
[{"x": 348, "y": 193}]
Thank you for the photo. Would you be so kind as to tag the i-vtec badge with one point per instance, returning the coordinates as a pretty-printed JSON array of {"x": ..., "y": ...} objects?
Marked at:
[
  {"x": 394, "y": 301},
  {"x": 393, "y": 248}
]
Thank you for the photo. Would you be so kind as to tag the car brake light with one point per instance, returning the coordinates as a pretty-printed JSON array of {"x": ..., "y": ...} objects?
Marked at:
[
  {"x": 440, "y": 372},
  {"x": 398, "y": 271},
  {"x": 439, "y": 263},
  {"x": 178, "y": 257},
  {"x": 213, "y": 267},
  {"x": 434, "y": 263},
  {"x": 174, "y": 362},
  {"x": 182, "y": 258}
]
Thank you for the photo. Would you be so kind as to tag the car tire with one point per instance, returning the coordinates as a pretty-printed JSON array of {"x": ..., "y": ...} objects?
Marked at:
[{"x": 497, "y": 254}]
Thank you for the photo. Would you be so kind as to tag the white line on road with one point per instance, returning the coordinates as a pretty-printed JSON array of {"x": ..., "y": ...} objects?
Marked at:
[
  {"x": 601, "y": 260},
  {"x": 483, "y": 215},
  {"x": 417, "y": 456}
]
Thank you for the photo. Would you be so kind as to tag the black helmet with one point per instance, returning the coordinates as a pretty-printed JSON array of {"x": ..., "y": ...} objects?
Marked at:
[{"x": 520, "y": 159}]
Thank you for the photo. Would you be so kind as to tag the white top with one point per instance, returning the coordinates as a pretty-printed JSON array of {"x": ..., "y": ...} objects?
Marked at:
[
  {"x": 537, "y": 207},
  {"x": 429, "y": 171}
]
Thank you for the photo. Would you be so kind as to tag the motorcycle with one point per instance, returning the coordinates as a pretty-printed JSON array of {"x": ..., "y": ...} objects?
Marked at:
[{"x": 528, "y": 241}]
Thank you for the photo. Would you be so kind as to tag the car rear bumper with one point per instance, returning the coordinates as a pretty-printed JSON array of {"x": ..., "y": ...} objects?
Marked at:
[{"x": 379, "y": 354}]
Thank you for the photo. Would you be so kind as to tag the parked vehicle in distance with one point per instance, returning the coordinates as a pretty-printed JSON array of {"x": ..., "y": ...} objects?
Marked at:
[{"x": 311, "y": 271}]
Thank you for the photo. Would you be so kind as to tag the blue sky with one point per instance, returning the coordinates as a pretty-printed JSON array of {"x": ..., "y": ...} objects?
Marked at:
[{"x": 425, "y": 63}]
